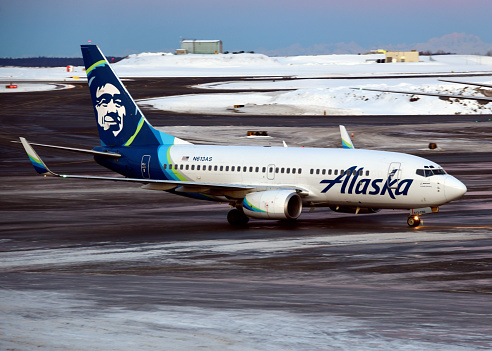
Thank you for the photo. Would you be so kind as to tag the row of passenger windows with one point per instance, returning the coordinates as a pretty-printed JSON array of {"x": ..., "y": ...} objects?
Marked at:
[
  {"x": 282, "y": 170},
  {"x": 335, "y": 172},
  {"x": 233, "y": 168}
]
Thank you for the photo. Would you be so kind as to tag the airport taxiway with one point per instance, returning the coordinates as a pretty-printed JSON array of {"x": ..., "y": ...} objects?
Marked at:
[{"x": 92, "y": 265}]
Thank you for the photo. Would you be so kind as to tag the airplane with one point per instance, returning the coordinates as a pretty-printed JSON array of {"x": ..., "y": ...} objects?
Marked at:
[{"x": 258, "y": 182}]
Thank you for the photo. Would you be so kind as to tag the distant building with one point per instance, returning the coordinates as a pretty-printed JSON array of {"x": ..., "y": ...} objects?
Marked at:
[
  {"x": 402, "y": 56},
  {"x": 200, "y": 47},
  {"x": 378, "y": 51}
]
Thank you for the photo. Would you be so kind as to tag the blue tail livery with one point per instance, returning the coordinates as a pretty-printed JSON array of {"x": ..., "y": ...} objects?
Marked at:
[{"x": 119, "y": 120}]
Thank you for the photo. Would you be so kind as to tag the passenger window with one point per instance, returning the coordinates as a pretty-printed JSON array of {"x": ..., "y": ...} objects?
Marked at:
[
  {"x": 311, "y": 171},
  {"x": 227, "y": 168},
  {"x": 367, "y": 173},
  {"x": 198, "y": 167},
  {"x": 270, "y": 170},
  {"x": 323, "y": 171},
  {"x": 287, "y": 171},
  {"x": 245, "y": 169},
  {"x": 210, "y": 167},
  {"x": 361, "y": 172},
  {"x": 233, "y": 168},
  {"x": 170, "y": 166},
  {"x": 263, "y": 169},
  {"x": 251, "y": 169},
  {"x": 299, "y": 171},
  {"x": 317, "y": 171},
  {"x": 192, "y": 167},
  {"x": 221, "y": 168},
  {"x": 181, "y": 167},
  {"x": 215, "y": 168},
  {"x": 293, "y": 171},
  {"x": 276, "y": 170},
  {"x": 164, "y": 166},
  {"x": 336, "y": 171}
]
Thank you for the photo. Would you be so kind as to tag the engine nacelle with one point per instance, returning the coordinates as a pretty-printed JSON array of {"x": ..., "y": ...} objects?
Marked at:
[
  {"x": 352, "y": 209},
  {"x": 273, "y": 204}
]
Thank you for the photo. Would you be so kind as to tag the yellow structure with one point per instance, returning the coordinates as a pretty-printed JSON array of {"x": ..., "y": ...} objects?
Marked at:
[{"x": 402, "y": 56}]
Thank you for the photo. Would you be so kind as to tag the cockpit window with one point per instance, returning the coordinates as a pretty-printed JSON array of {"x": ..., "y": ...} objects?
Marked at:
[{"x": 429, "y": 172}]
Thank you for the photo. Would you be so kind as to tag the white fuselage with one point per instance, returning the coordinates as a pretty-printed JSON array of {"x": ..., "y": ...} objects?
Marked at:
[{"x": 377, "y": 179}]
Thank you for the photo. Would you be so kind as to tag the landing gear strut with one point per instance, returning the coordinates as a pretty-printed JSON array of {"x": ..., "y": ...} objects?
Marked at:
[
  {"x": 414, "y": 221},
  {"x": 236, "y": 217}
]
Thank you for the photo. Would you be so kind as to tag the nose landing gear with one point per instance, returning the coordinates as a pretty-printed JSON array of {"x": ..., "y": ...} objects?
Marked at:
[{"x": 414, "y": 221}]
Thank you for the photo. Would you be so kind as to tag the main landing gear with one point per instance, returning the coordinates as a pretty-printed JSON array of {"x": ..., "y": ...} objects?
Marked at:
[
  {"x": 414, "y": 221},
  {"x": 236, "y": 217}
]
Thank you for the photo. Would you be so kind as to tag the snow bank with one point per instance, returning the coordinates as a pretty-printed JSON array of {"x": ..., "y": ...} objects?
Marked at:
[{"x": 310, "y": 96}]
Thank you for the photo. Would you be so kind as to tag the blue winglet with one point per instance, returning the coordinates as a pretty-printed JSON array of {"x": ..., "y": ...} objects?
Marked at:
[{"x": 36, "y": 161}]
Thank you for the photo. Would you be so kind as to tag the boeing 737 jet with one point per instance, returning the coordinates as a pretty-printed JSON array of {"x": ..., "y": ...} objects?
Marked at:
[{"x": 258, "y": 182}]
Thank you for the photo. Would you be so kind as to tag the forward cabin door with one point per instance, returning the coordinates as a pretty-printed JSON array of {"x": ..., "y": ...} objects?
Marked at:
[{"x": 394, "y": 173}]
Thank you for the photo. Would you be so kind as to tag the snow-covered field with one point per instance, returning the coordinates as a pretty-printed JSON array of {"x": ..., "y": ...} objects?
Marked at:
[{"x": 322, "y": 85}]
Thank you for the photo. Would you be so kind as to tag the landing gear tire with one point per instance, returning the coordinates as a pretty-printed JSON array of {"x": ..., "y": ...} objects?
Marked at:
[
  {"x": 237, "y": 218},
  {"x": 413, "y": 221}
]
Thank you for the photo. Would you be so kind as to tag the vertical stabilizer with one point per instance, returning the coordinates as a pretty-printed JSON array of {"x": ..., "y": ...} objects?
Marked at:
[{"x": 119, "y": 120}]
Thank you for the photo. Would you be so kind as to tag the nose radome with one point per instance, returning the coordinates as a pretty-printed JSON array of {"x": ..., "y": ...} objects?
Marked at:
[{"x": 453, "y": 188}]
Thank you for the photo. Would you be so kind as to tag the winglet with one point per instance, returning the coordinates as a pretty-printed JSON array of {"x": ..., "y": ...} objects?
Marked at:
[
  {"x": 36, "y": 161},
  {"x": 346, "y": 141}
]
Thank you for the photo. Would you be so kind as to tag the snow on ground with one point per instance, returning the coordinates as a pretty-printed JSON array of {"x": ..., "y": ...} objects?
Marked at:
[
  {"x": 336, "y": 97},
  {"x": 63, "y": 321},
  {"x": 308, "y": 94}
]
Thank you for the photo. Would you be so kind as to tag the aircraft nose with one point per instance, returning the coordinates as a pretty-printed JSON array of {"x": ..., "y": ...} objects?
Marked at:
[{"x": 453, "y": 188}]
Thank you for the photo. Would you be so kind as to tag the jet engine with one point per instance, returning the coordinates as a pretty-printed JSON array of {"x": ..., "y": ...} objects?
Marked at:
[{"x": 273, "y": 204}]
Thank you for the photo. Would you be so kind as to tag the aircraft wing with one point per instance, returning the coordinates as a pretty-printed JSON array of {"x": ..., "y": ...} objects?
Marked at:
[
  {"x": 476, "y": 98},
  {"x": 84, "y": 151},
  {"x": 231, "y": 190}
]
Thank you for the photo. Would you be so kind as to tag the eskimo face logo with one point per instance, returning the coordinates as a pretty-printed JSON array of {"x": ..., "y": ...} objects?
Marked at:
[
  {"x": 351, "y": 184},
  {"x": 110, "y": 109}
]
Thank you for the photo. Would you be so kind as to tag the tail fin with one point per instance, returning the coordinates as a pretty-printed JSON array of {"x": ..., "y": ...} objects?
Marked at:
[{"x": 119, "y": 120}]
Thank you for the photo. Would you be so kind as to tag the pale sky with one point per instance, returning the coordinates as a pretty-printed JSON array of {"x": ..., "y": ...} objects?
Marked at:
[{"x": 32, "y": 28}]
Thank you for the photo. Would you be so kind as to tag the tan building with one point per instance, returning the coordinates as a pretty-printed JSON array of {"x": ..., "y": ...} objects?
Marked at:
[
  {"x": 402, "y": 56},
  {"x": 200, "y": 47}
]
